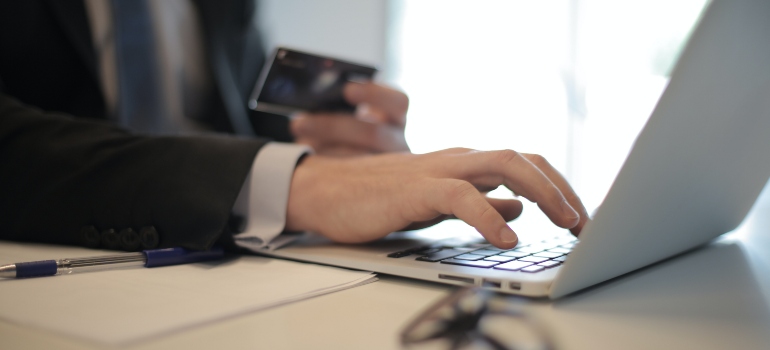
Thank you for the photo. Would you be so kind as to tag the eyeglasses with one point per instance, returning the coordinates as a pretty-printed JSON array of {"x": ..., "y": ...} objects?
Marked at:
[{"x": 470, "y": 319}]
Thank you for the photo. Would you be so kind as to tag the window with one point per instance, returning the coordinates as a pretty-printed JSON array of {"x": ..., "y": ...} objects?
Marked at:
[{"x": 572, "y": 80}]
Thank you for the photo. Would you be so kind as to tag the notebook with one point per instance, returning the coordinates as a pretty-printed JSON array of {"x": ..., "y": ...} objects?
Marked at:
[{"x": 694, "y": 172}]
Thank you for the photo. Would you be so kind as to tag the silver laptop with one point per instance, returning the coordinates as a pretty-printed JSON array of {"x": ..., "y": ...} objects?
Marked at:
[{"x": 693, "y": 174}]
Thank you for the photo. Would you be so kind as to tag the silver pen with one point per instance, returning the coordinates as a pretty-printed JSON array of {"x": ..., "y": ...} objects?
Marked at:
[{"x": 146, "y": 258}]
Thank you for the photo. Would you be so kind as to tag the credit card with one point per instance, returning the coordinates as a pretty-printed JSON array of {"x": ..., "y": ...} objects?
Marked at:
[{"x": 293, "y": 81}]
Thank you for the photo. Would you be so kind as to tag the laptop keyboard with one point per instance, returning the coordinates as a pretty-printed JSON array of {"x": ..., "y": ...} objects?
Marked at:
[{"x": 525, "y": 257}]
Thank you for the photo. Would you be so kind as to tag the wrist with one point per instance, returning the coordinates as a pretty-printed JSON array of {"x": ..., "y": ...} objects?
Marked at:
[{"x": 301, "y": 198}]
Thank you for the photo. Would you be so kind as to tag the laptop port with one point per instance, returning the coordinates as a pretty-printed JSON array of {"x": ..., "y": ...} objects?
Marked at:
[
  {"x": 491, "y": 283},
  {"x": 456, "y": 278},
  {"x": 515, "y": 285}
]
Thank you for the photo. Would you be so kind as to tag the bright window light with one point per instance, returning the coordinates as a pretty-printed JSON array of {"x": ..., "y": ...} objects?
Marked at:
[{"x": 572, "y": 80}]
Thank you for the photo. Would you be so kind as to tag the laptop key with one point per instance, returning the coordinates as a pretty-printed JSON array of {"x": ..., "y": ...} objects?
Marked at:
[
  {"x": 427, "y": 251},
  {"x": 470, "y": 257},
  {"x": 561, "y": 240},
  {"x": 560, "y": 259},
  {"x": 533, "y": 268},
  {"x": 514, "y": 254},
  {"x": 410, "y": 251},
  {"x": 532, "y": 259},
  {"x": 531, "y": 249},
  {"x": 465, "y": 249},
  {"x": 560, "y": 250},
  {"x": 547, "y": 254},
  {"x": 399, "y": 254},
  {"x": 444, "y": 254},
  {"x": 549, "y": 264},
  {"x": 513, "y": 265},
  {"x": 477, "y": 245},
  {"x": 550, "y": 245},
  {"x": 499, "y": 258},
  {"x": 479, "y": 263},
  {"x": 485, "y": 252}
]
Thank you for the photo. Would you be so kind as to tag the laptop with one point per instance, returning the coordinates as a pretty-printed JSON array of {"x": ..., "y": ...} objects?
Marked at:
[{"x": 693, "y": 174}]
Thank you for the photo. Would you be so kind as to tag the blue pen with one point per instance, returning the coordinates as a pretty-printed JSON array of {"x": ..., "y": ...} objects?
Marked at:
[{"x": 146, "y": 258}]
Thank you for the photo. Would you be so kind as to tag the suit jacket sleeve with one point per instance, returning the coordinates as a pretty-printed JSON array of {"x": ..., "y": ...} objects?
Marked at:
[{"x": 61, "y": 177}]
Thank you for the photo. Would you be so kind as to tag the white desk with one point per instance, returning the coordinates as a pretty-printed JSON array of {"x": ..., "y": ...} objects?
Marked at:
[{"x": 714, "y": 298}]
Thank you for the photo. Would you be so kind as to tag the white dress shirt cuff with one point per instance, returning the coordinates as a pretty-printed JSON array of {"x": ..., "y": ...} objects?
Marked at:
[{"x": 264, "y": 197}]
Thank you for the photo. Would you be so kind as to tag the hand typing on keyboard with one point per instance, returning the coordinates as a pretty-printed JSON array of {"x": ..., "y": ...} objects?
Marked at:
[{"x": 364, "y": 198}]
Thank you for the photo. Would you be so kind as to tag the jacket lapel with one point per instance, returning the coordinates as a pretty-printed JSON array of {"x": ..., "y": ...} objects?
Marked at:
[{"x": 224, "y": 23}]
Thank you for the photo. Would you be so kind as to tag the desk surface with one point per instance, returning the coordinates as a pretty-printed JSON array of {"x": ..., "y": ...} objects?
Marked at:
[{"x": 716, "y": 297}]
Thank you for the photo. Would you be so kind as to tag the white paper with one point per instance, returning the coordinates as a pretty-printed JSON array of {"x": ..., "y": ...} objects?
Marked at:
[{"x": 130, "y": 305}]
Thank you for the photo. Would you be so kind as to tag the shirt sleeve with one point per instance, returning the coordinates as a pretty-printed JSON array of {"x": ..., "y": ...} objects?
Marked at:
[{"x": 264, "y": 197}]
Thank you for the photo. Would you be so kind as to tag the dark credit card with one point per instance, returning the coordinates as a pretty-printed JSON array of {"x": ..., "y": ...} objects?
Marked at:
[{"x": 299, "y": 81}]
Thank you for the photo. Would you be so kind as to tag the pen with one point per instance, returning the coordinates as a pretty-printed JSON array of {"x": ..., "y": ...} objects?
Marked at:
[{"x": 146, "y": 258}]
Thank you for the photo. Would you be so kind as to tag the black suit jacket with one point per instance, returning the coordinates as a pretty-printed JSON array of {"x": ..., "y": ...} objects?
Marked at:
[{"x": 67, "y": 175}]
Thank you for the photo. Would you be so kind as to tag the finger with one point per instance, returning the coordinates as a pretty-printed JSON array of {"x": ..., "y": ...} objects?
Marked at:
[
  {"x": 564, "y": 186},
  {"x": 393, "y": 102},
  {"x": 373, "y": 114},
  {"x": 427, "y": 223},
  {"x": 336, "y": 130},
  {"x": 489, "y": 169},
  {"x": 461, "y": 199},
  {"x": 509, "y": 209}
]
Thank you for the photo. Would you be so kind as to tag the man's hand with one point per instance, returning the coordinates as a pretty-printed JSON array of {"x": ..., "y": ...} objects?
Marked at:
[
  {"x": 378, "y": 126},
  {"x": 364, "y": 198}
]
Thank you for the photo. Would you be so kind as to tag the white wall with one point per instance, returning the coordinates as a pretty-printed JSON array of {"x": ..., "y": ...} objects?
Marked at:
[{"x": 348, "y": 29}]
